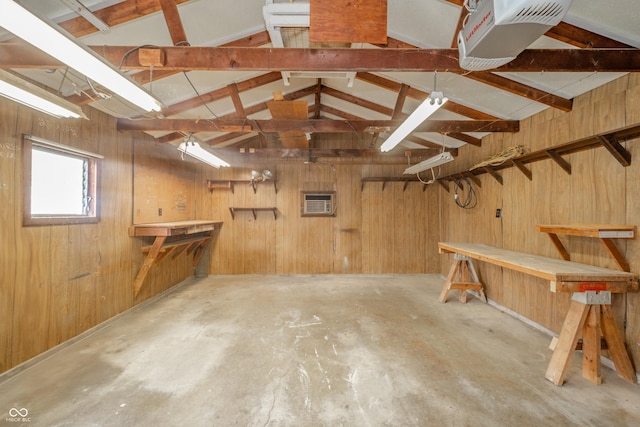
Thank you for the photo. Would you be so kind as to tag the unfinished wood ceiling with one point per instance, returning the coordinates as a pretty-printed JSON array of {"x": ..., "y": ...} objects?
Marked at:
[{"x": 224, "y": 62}]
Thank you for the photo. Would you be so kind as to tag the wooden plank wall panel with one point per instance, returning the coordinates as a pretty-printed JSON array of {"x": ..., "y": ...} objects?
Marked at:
[
  {"x": 599, "y": 190},
  {"x": 632, "y": 181},
  {"x": 162, "y": 181},
  {"x": 57, "y": 281},
  {"x": 348, "y": 254},
  {"x": 115, "y": 272},
  {"x": 33, "y": 277},
  {"x": 9, "y": 225},
  {"x": 374, "y": 231}
]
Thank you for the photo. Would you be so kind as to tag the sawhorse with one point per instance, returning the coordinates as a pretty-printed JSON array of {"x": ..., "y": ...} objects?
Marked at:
[
  {"x": 589, "y": 317},
  {"x": 458, "y": 278}
]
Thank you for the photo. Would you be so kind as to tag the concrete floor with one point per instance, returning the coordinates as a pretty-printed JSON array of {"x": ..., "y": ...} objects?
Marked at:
[{"x": 311, "y": 351}]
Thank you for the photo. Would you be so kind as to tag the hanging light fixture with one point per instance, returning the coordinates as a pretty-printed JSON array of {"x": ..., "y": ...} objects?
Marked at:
[
  {"x": 61, "y": 45},
  {"x": 435, "y": 161},
  {"x": 28, "y": 94},
  {"x": 192, "y": 148},
  {"x": 424, "y": 110}
]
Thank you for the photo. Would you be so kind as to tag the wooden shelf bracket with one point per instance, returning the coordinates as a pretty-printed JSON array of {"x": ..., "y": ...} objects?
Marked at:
[{"x": 254, "y": 211}]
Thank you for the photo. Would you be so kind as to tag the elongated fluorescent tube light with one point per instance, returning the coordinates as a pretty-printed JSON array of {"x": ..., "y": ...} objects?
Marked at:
[
  {"x": 194, "y": 150},
  {"x": 424, "y": 110},
  {"x": 28, "y": 94},
  {"x": 432, "y": 162},
  {"x": 62, "y": 46}
]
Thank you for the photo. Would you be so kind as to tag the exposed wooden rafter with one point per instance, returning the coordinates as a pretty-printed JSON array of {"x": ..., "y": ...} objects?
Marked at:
[
  {"x": 174, "y": 23},
  {"x": 206, "y": 58},
  {"x": 322, "y": 125}
]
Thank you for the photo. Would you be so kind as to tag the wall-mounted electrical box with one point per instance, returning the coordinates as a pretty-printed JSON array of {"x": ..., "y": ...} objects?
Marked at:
[{"x": 318, "y": 203}]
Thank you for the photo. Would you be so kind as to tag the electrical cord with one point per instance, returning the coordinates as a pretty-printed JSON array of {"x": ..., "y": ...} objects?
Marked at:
[{"x": 471, "y": 200}]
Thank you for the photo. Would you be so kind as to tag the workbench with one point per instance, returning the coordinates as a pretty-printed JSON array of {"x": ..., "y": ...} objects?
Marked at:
[
  {"x": 589, "y": 314},
  {"x": 172, "y": 238}
]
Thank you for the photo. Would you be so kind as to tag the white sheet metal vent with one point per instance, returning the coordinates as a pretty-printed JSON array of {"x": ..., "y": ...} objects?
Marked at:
[{"x": 318, "y": 204}]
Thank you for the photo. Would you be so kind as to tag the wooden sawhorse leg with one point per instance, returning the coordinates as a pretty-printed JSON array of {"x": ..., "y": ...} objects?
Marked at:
[
  {"x": 461, "y": 268},
  {"x": 591, "y": 321}
]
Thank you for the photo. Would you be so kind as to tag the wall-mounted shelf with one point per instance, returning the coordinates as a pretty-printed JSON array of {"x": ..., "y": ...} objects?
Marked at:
[
  {"x": 384, "y": 180},
  {"x": 255, "y": 211},
  {"x": 604, "y": 232},
  {"x": 229, "y": 184},
  {"x": 172, "y": 238}
]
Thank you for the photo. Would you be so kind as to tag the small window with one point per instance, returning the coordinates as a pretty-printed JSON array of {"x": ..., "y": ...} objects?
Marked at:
[
  {"x": 60, "y": 182},
  {"x": 316, "y": 203}
]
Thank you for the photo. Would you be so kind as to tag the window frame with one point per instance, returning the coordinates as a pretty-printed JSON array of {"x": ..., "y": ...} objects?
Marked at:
[{"x": 93, "y": 190}]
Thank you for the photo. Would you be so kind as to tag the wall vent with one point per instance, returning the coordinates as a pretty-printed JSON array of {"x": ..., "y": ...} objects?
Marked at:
[{"x": 318, "y": 203}]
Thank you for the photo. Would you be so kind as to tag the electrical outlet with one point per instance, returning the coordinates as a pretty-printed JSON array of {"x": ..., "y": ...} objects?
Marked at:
[
  {"x": 498, "y": 213},
  {"x": 159, "y": 211}
]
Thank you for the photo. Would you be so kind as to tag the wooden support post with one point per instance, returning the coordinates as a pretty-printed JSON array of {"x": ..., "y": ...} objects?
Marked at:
[{"x": 461, "y": 269}]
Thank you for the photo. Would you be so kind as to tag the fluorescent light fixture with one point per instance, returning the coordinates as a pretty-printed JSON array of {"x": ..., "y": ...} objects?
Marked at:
[
  {"x": 28, "y": 94},
  {"x": 424, "y": 110},
  {"x": 194, "y": 150},
  {"x": 56, "y": 42},
  {"x": 440, "y": 159}
]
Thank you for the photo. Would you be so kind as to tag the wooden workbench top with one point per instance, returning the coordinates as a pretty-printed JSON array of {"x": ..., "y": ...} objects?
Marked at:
[
  {"x": 555, "y": 270},
  {"x": 175, "y": 228}
]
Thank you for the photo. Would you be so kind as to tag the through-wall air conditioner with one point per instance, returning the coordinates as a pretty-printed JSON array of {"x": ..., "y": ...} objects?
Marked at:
[
  {"x": 496, "y": 31},
  {"x": 318, "y": 203}
]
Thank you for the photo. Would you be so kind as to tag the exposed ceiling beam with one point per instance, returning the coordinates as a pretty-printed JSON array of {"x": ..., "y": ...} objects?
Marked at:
[
  {"x": 374, "y": 134},
  {"x": 421, "y": 96},
  {"x": 174, "y": 23},
  {"x": 234, "y": 93},
  {"x": 582, "y": 38},
  {"x": 322, "y": 125},
  {"x": 361, "y": 60},
  {"x": 332, "y": 59},
  {"x": 218, "y": 94},
  {"x": 327, "y": 153},
  {"x": 402, "y": 96},
  {"x": 519, "y": 89},
  {"x": 119, "y": 13},
  {"x": 222, "y": 93}
]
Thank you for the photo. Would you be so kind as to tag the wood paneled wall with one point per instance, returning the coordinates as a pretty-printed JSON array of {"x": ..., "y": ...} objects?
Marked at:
[
  {"x": 58, "y": 281},
  {"x": 599, "y": 190},
  {"x": 373, "y": 231}
]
